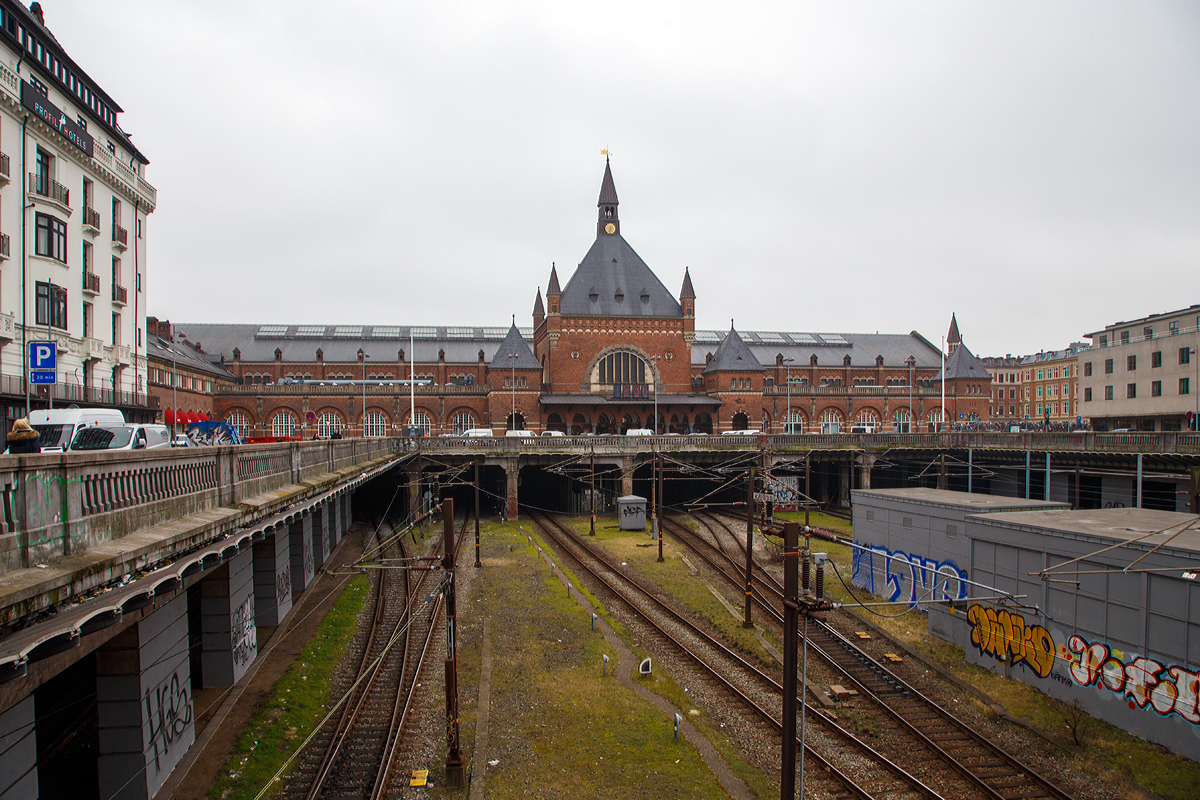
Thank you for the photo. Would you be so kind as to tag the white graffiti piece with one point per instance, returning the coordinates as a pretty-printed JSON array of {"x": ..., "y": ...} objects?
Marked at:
[
  {"x": 169, "y": 713},
  {"x": 1167, "y": 690},
  {"x": 901, "y": 576},
  {"x": 243, "y": 633}
]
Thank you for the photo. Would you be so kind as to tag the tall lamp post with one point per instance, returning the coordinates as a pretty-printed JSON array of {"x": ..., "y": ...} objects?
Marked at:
[
  {"x": 174, "y": 383},
  {"x": 1195, "y": 353},
  {"x": 654, "y": 377},
  {"x": 365, "y": 356},
  {"x": 787, "y": 414},
  {"x": 513, "y": 419}
]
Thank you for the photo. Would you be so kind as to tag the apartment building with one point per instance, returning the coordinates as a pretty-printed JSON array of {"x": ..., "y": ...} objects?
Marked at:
[
  {"x": 1050, "y": 384},
  {"x": 1143, "y": 374},
  {"x": 1008, "y": 398},
  {"x": 73, "y": 207}
]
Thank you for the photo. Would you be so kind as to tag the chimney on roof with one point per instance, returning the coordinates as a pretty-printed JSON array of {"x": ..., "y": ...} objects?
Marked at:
[{"x": 36, "y": 10}]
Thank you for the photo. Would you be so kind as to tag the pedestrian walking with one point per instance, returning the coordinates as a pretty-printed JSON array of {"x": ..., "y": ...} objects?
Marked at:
[{"x": 23, "y": 439}]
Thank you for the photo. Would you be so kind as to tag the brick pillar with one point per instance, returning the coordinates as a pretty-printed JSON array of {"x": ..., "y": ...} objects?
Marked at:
[
  {"x": 18, "y": 752},
  {"x": 512, "y": 469},
  {"x": 868, "y": 461},
  {"x": 320, "y": 534},
  {"x": 144, "y": 703},
  {"x": 227, "y": 621},
  {"x": 272, "y": 577},
  {"x": 301, "y": 552}
]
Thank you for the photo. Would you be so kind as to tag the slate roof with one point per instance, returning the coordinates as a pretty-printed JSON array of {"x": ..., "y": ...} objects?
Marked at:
[
  {"x": 962, "y": 363},
  {"x": 186, "y": 357},
  {"x": 552, "y": 287},
  {"x": 514, "y": 343},
  {"x": 589, "y": 399},
  {"x": 829, "y": 348},
  {"x": 621, "y": 283},
  {"x": 953, "y": 336},
  {"x": 687, "y": 292},
  {"x": 608, "y": 189},
  {"x": 733, "y": 356},
  {"x": 538, "y": 309}
]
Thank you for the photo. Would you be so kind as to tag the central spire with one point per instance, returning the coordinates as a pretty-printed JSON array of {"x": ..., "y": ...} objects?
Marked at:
[{"x": 607, "y": 223}]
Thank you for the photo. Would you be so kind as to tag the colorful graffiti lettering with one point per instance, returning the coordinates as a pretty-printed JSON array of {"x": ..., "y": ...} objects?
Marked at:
[
  {"x": 1001, "y": 634},
  {"x": 907, "y": 576},
  {"x": 1168, "y": 690}
]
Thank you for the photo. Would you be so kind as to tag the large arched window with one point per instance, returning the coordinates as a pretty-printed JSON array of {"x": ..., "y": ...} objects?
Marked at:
[
  {"x": 580, "y": 425},
  {"x": 702, "y": 423},
  {"x": 618, "y": 368},
  {"x": 420, "y": 421},
  {"x": 375, "y": 424},
  {"x": 555, "y": 422},
  {"x": 935, "y": 420},
  {"x": 831, "y": 422},
  {"x": 605, "y": 423},
  {"x": 793, "y": 423},
  {"x": 868, "y": 420},
  {"x": 327, "y": 423},
  {"x": 463, "y": 421},
  {"x": 630, "y": 420},
  {"x": 902, "y": 421},
  {"x": 283, "y": 424},
  {"x": 240, "y": 423}
]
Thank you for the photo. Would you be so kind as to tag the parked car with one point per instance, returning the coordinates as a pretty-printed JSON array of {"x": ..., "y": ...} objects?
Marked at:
[
  {"x": 523, "y": 434},
  {"x": 553, "y": 433},
  {"x": 57, "y": 427}
]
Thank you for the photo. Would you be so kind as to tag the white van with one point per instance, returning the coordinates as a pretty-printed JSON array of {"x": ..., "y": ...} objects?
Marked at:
[
  {"x": 519, "y": 434},
  {"x": 639, "y": 432},
  {"x": 478, "y": 433},
  {"x": 553, "y": 433},
  {"x": 122, "y": 437},
  {"x": 57, "y": 427}
]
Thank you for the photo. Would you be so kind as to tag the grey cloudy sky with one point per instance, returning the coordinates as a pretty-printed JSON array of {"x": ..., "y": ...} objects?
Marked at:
[{"x": 1032, "y": 166}]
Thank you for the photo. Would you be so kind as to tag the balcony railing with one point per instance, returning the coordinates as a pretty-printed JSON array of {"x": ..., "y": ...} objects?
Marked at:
[
  {"x": 120, "y": 236},
  {"x": 119, "y": 294},
  {"x": 91, "y": 282},
  {"x": 4, "y": 245},
  {"x": 52, "y": 190},
  {"x": 91, "y": 218},
  {"x": 4, "y": 173}
]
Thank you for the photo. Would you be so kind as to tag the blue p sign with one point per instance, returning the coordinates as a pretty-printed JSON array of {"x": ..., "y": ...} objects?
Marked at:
[{"x": 43, "y": 355}]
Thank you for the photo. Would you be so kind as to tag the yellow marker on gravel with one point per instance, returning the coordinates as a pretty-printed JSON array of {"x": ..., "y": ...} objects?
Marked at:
[{"x": 419, "y": 777}]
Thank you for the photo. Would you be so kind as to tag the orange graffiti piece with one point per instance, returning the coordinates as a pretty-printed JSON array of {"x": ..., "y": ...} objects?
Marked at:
[{"x": 1004, "y": 634}]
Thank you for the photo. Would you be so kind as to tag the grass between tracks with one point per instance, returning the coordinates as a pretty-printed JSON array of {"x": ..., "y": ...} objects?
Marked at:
[
  {"x": 558, "y": 727},
  {"x": 299, "y": 701}
]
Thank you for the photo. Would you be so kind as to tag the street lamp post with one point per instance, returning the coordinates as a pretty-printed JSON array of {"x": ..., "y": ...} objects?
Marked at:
[
  {"x": 365, "y": 356},
  {"x": 787, "y": 414},
  {"x": 174, "y": 383},
  {"x": 513, "y": 419},
  {"x": 1195, "y": 352},
  {"x": 653, "y": 377}
]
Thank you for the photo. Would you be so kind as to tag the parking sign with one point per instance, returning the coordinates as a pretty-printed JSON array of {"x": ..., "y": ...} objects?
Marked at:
[{"x": 43, "y": 355}]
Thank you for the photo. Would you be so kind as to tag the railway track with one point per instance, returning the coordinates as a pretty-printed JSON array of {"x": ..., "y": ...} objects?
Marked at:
[
  {"x": 759, "y": 693},
  {"x": 986, "y": 770},
  {"x": 352, "y": 756}
]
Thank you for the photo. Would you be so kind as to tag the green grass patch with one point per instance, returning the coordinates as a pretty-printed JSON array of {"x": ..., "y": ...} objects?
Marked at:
[{"x": 299, "y": 701}]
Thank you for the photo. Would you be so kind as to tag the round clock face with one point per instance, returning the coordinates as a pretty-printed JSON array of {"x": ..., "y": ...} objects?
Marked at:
[{"x": 610, "y": 228}]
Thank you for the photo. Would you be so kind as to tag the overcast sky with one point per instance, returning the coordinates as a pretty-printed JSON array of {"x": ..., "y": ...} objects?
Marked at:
[{"x": 840, "y": 166}]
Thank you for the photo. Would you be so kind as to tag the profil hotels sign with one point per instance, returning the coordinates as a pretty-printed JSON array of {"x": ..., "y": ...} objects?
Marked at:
[{"x": 53, "y": 116}]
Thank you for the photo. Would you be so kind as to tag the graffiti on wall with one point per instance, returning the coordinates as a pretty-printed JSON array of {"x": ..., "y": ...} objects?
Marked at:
[
  {"x": 1005, "y": 635},
  {"x": 904, "y": 576},
  {"x": 1145, "y": 681},
  {"x": 168, "y": 716},
  {"x": 243, "y": 633}
]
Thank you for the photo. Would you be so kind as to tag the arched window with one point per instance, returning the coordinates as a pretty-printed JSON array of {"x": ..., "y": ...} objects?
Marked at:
[
  {"x": 515, "y": 422},
  {"x": 765, "y": 425},
  {"x": 605, "y": 423},
  {"x": 793, "y": 423},
  {"x": 283, "y": 424},
  {"x": 375, "y": 424},
  {"x": 327, "y": 423},
  {"x": 580, "y": 424},
  {"x": 703, "y": 423},
  {"x": 868, "y": 420},
  {"x": 240, "y": 423},
  {"x": 935, "y": 420},
  {"x": 555, "y": 422},
  {"x": 630, "y": 420},
  {"x": 420, "y": 421},
  {"x": 463, "y": 421},
  {"x": 831, "y": 422},
  {"x": 679, "y": 423},
  {"x": 618, "y": 368},
  {"x": 741, "y": 422},
  {"x": 902, "y": 421}
]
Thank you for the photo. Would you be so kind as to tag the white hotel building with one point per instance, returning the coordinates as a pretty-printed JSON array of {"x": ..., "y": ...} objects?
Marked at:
[{"x": 73, "y": 208}]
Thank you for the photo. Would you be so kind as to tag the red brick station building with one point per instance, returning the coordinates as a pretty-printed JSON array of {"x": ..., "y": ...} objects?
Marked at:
[{"x": 602, "y": 347}]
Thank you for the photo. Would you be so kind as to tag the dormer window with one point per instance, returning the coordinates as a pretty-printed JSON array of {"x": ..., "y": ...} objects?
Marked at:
[
  {"x": 593, "y": 295},
  {"x": 645, "y": 296},
  {"x": 620, "y": 295}
]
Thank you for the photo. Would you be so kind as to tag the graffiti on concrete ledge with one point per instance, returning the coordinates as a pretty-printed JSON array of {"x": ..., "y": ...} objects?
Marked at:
[
  {"x": 1003, "y": 634},
  {"x": 1145, "y": 681},
  {"x": 904, "y": 576}
]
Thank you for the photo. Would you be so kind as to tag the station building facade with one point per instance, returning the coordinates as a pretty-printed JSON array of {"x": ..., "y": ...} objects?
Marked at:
[
  {"x": 606, "y": 352},
  {"x": 73, "y": 207}
]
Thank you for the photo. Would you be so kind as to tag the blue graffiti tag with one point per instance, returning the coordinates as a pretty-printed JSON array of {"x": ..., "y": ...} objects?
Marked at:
[{"x": 901, "y": 576}]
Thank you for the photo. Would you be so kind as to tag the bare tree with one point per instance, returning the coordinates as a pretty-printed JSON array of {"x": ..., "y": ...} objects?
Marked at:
[{"x": 1077, "y": 719}]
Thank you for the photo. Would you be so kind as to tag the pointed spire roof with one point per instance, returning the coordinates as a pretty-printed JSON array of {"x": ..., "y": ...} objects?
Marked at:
[
  {"x": 952, "y": 337},
  {"x": 538, "y": 309},
  {"x": 514, "y": 342},
  {"x": 552, "y": 287},
  {"x": 962, "y": 364},
  {"x": 733, "y": 356},
  {"x": 687, "y": 293},
  {"x": 608, "y": 189}
]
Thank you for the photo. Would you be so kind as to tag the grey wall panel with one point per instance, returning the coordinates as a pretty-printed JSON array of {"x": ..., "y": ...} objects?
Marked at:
[
  {"x": 1169, "y": 636},
  {"x": 18, "y": 752},
  {"x": 303, "y": 566}
]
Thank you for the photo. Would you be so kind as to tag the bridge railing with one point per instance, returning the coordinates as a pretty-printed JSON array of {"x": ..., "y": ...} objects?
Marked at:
[{"x": 56, "y": 505}]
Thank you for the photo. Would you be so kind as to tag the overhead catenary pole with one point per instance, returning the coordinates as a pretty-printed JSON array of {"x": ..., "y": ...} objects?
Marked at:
[
  {"x": 364, "y": 388},
  {"x": 592, "y": 492},
  {"x": 659, "y": 464},
  {"x": 791, "y": 622},
  {"x": 748, "y": 622},
  {"x": 454, "y": 758},
  {"x": 943, "y": 411},
  {"x": 412, "y": 386},
  {"x": 477, "y": 561}
]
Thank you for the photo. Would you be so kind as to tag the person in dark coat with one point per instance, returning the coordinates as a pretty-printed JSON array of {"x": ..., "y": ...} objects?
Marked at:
[{"x": 23, "y": 439}]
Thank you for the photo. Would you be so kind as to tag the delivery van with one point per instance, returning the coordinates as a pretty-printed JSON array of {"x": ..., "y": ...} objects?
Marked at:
[
  {"x": 57, "y": 427},
  {"x": 121, "y": 437}
]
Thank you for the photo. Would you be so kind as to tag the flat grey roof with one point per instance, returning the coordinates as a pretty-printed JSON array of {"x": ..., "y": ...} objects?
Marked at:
[
  {"x": 963, "y": 501},
  {"x": 1114, "y": 524}
]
